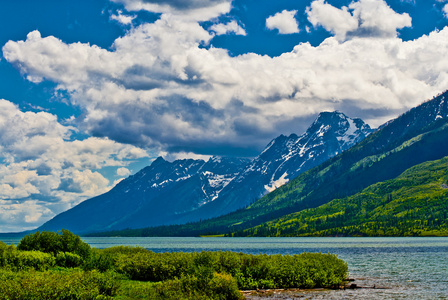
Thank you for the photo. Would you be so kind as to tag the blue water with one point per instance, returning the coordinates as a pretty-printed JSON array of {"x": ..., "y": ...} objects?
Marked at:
[{"x": 398, "y": 268}]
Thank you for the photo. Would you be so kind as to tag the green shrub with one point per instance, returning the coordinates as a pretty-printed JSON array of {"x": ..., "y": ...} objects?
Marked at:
[
  {"x": 150, "y": 266},
  {"x": 14, "y": 259},
  {"x": 219, "y": 287},
  {"x": 223, "y": 286},
  {"x": 57, "y": 285},
  {"x": 68, "y": 260},
  {"x": 36, "y": 260},
  {"x": 125, "y": 250},
  {"x": 99, "y": 260},
  {"x": 4, "y": 250},
  {"x": 307, "y": 270},
  {"x": 52, "y": 242}
]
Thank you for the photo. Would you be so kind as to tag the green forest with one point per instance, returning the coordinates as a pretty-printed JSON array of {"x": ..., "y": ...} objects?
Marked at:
[
  {"x": 49, "y": 265},
  {"x": 413, "y": 204}
]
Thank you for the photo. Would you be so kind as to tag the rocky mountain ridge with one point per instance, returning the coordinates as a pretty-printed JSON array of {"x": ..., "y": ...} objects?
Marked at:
[{"x": 190, "y": 190}]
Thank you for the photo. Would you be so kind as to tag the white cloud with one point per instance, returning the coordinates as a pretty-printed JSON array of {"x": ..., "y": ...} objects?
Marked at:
[
  {"x": 445, "y": 11},
  {"x": 45, "y": 170},
  {"x": 123, "y": 172},
  {"x": 377, "y": 18},
  {"x": 19, "y": 216},
  {"x": 199, "y": 10},
  {"x": 159, "y": 88},
  {"x": 230, "y": 27},
  {"x": 364, "y": 18},
  {"x": 334, "y": 20},
  {"x": 122, "y": 19},
  {"x": 184, "y": 155},
  {"x": 284, "y": 22}
]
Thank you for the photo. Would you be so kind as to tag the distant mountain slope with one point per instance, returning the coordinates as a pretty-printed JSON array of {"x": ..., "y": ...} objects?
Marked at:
[
  {"x": 192, "y": 190},
  {"x": 418, "y": 136},
  {"x": 159, "y": 191},
  {"x": 413, "y": 204}
]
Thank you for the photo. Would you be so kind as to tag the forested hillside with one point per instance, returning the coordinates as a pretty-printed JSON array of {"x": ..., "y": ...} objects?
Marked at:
[{"x": 413, "y": 204}]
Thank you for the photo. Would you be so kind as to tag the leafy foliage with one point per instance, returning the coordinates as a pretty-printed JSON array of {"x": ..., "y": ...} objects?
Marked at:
[
  {"x": 217, "y": 286},
  {"x": 250, "y": 271},
  {"x": 16, "y": 260},
  {"x": 52, "y": 242},
  {"x": 68, "y": 260},
  {"x": 73, "y": 284}
]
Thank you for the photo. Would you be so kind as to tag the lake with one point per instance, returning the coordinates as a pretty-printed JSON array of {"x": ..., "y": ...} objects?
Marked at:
[{"x": 398, "y": 268}]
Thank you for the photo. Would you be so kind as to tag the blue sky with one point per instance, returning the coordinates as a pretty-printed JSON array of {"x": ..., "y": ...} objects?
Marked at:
[{"x": 92, "y": 91}]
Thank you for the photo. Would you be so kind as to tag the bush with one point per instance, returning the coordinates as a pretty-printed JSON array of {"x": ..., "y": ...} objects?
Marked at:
[
  {"x": 74, "y": 284},
  {"x": 68, "y": 260},
  {"x": 307, "y": 270},
  {"x": 223, "y": 286},
  {"x": 125, "y": 250},
  {"x": 52, "y": 242},
  {"x": 150, "y": 266},
  {"x": 16, "y": 260},
  {"x": 218, "y": 286},
  {"x": 99, "y": 260},
  {"x": 4, "y": 250}
]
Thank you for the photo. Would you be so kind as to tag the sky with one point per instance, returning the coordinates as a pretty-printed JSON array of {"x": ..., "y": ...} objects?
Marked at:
[{"x": 93, "y": 91}]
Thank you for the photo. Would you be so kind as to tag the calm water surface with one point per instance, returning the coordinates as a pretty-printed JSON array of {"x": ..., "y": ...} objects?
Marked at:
[{"x": 398, "y": 268}]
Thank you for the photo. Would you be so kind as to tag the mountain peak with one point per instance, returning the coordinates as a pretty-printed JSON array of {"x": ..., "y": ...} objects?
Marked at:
[
  {"x": 158, "y": 160},
  {"x": 334, "y": 113},
  {"x": 330, "y": 118},
  {"x": 339, "y": 125}
]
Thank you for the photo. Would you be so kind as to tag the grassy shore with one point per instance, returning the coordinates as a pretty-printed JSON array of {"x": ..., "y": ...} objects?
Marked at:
[{"x": 60, "y": 266}]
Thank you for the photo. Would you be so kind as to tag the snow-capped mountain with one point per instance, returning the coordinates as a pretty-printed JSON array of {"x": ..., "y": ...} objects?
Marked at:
[
  {"x": 162, "y": 193},
  {"x": 287, "y": 156},
  {"x": 190, "y": 190}
]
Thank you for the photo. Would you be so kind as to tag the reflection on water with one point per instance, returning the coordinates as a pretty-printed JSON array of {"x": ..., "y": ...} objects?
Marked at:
[{"x": 398, "y": 268}]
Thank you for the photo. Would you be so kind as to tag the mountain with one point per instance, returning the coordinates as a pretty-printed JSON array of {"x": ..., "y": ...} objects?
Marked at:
[
  {"x": 191, "y": 190},
  {"x": 413, "y": 204},
  {"x": 418, "y": 136},
  {"x": 153, "y": 196},
  {"x": 285, "y": 158}
]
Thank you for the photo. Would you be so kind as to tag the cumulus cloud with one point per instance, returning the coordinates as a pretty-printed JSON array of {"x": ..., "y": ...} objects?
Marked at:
[
  {"x": 334, "y": 20},
  {"x": 445, "y": 11},
  {"x": 26, "y": 215},
  {"x": 123, "y": 172},
  {"x": 284, "y": 22},
  {"x": 159, "y": 88},
  {"x": 45, "y": 172},
  {"x": 199, "y": 10},
  {"x": 376, "y": 18},
  {"x": 230, "y": 27},
  {"x": 122, "y": 18},
  {"x": 368, "y": 18}
]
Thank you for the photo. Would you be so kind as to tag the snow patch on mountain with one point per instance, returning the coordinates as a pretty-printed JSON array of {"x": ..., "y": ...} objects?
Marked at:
[{"x": 274, "y": 184}]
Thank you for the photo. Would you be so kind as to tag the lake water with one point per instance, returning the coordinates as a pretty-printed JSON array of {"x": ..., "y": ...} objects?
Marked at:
[{"x": 398, "y": 268}]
